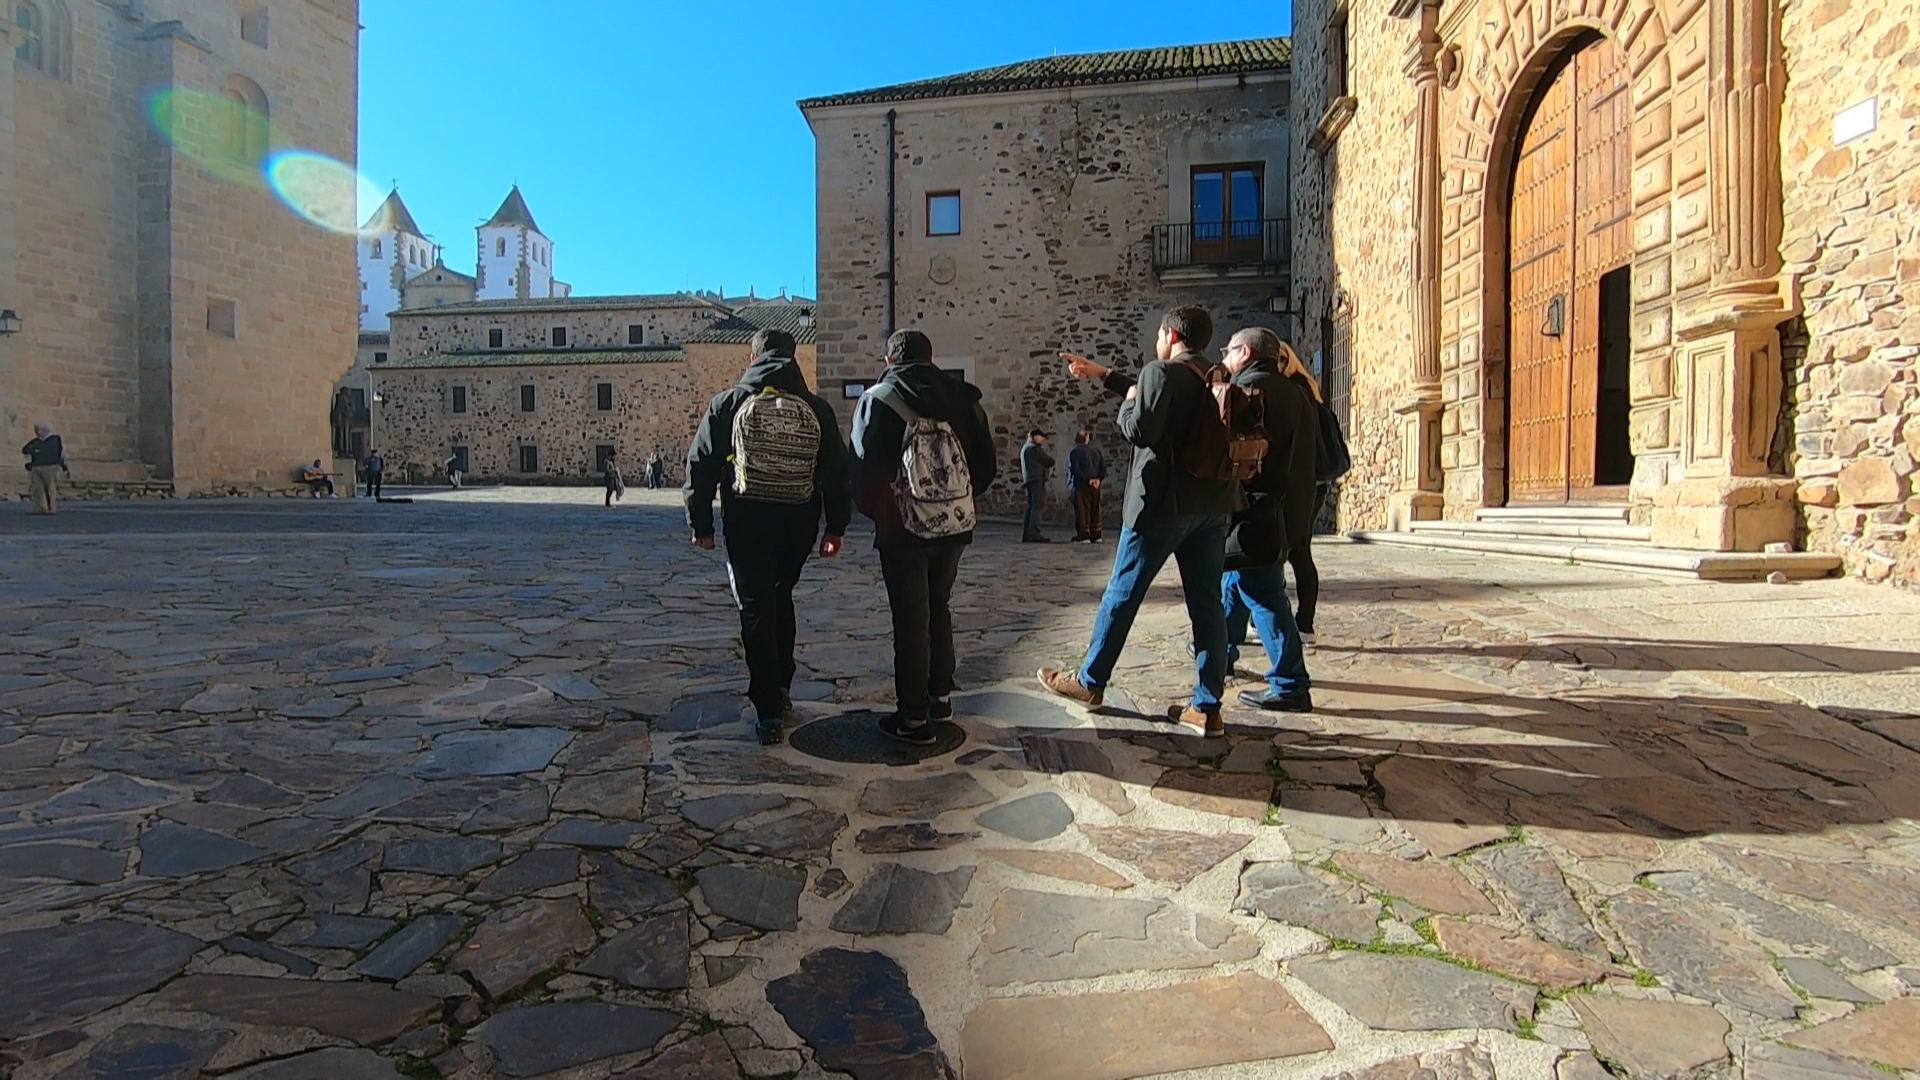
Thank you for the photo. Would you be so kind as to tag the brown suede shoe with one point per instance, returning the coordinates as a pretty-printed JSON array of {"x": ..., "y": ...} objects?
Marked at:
[
  {"x": 1068, "y": 685},
  {"x": 1198, "y": 722}
]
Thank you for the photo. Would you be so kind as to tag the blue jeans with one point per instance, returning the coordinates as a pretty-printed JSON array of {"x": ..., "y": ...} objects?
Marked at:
[
  {"x": 1198, "y": 543},
  {"x": 1261, "y": 592},
  {"x": 1036, "y": 494}
]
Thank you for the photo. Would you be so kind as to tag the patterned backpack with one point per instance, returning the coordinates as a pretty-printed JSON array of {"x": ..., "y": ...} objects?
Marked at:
[
  {"x": 776, "y": 444},
  {"x": 934, "y": 488}
]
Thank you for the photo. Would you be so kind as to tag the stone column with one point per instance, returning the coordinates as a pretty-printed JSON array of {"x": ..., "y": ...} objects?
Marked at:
[
  {"x": 1728, "y": 358},
  {"x": 1419, "y": 496}
]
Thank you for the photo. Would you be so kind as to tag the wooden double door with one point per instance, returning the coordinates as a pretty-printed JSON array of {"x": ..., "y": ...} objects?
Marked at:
[{"x": 1569, "y": 291}]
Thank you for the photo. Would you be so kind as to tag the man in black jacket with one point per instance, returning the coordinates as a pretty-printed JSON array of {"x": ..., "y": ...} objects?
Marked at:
[
  {"x": 919, "y": 572},
  {"x": 1170, "y": 514},
  {"x": 1280, "y": 508},
  {"x": 767, "y": 542}
]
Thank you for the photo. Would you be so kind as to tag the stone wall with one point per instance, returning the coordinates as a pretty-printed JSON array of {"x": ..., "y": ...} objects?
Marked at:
[
  {"x": 444, "y": 330},
  {"x": 656, "y": 409},
  {"x": 1353, "y": 239},
  {"x": 1059, "y": 193},
  {"x": 114, "y": 244},
  {"x": 1853, "y": 236}
]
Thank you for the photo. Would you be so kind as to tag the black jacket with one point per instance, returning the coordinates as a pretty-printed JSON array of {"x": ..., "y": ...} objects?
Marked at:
[
  {"x": 44, "y": 452},
  {"x": 1285, "y": 484},
  {"x": 710, "y": 459},
  {"x": 1156, "y": 422},
  {"x": 879, "y": 433}
]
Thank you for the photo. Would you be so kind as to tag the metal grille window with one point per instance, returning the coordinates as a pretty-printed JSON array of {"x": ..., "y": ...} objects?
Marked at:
[
  {"x": 526, "y": 398},
  {"x": 1337, "y": 373},
  {"x": 529, "y": 459},
  {"x": 636, "y": 334},
  {"x": 559, "y": 337},
  {"x": 459, "y": 399},
  {"x": 603, "y": 397},
  {"x": 496, "y": 338}
]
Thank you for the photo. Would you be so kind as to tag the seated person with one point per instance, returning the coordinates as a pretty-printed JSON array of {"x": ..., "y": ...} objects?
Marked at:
[{"x": 317, "y": 479}]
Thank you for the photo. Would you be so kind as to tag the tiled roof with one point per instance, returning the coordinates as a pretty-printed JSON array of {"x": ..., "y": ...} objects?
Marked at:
[
  {"x": 740, "y": 327},
  {"x": 639, "y": 354},
  {"x": 392, "y": 214},
  {"x": 574, "y": 303},
  {"x": 374, "y": 337},
  {"x": 514, "y": 212},
  {"x": 1086, "y": 69}
]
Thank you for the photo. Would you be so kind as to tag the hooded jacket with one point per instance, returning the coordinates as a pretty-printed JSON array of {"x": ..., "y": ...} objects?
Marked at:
[
  {"x": 1286, "y": 480},
  {"x": 710, "y": 459},
  {"x": 879, "y": 434}
]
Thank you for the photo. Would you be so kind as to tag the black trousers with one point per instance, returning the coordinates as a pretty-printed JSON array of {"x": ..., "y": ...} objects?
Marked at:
[
  {"x": 1306, "y": 576},
  {"x": 1086, "y": 513},
  {"x": 1036, "y": 497},
  {"x": 920, "y": 592},
  {"x": 766, "y": 551},
  {"x": 373, "y": 483}
]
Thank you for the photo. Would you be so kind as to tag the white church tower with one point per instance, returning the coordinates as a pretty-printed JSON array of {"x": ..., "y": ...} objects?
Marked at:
[
  {"x": 392, "y": 250},
  {"x": 516, "y": 258}
]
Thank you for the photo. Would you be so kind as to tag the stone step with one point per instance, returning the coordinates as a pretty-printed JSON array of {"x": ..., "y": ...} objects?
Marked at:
[
  {"x": 1613, "y": 512},
  {"x": 1612, "y": 532},
  {"x": 1645, "y": 558}
]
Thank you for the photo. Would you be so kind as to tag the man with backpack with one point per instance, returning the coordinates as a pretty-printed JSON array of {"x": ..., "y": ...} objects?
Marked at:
[
  {"x": 1182, "y": 492},
  {"x": 1280, "y": 508},
  {"x": 922, "y": 450},
  {"x": 773, "y": 452}
]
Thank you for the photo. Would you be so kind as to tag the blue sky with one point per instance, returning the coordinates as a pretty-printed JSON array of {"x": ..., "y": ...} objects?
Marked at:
[{"x": 656, "y": 140}]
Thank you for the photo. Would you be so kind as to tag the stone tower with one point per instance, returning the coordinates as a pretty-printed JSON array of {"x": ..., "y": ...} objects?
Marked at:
[
  {"x": 392, "y": 251},
  {"x": 515, "y": 257}
]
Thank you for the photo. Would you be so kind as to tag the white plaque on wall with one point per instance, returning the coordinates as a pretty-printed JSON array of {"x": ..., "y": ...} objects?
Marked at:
[{"x": 1855, "y": 121}]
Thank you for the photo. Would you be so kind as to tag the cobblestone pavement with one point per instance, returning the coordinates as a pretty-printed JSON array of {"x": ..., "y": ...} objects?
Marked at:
[{"x": 299, "y": 791}]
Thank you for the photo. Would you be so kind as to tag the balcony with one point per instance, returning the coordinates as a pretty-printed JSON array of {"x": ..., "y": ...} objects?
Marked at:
[{"x": 1208, "y": 252}]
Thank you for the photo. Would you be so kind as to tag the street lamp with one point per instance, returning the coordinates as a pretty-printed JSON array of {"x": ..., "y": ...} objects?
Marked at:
[
  {"x": 9, "y": 321},
  {"x": 1280, "y": 303}
]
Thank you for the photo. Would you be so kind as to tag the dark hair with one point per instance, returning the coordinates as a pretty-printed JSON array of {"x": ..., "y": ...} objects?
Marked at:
[
  {"x": 1036, "y": 433},
  {"x": 1193, "y": 324},
  {"x": 908, "y": 345},
  {"x": 776, "y": 342},
  {"x": 1082, "y": 436}
]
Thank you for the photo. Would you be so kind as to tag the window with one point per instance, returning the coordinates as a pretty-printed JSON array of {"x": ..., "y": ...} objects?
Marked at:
[
  {"x": 559, "y": 337},
  {"x": 1336, "y": 44},
  {"x": 33, "y": 30},
  {"x": 379, "y": 358},
  {"x": 459, "y": 399},
  {"x": 253, "y": 26},
  {"x": 1226, "y": 212},
  {"x": 529, "y": 459},
  {"x": 376, "y": 249},
  {"x": 500, "y": 245},
  {"x": 526, "y": 398},
  {"x": 636, "y": 334},
  {"x": 601, "y": 455},
  {"x": 222, "y": 318},
  {"x": 459, "y": 456},
  {"x": 243, "y": 126},
  {"x": 603, "y": 397},
  {"x": 943, "y": 213},
  {"x": 497, "y": 338}
]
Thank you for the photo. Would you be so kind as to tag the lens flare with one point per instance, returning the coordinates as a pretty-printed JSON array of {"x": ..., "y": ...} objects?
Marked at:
[
  {"x": 326, "y": 192},
  {"x": 222, "y": 133}
]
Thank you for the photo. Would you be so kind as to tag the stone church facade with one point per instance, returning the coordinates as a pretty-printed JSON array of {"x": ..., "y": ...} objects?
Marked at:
[
  {"x": 1057, "y": 204},
  {"x": 180, "y": 326},
  {"x": 1645, "y": 257}
]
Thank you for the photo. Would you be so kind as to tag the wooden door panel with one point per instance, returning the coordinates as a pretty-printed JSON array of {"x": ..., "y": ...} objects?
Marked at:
[
  {"x": 1602, "y": 218},
  {"x": 1541, "y": 266}
]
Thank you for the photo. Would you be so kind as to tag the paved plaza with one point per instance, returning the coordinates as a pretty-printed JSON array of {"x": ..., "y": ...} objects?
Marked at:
[{"x": 296, "y": 790}]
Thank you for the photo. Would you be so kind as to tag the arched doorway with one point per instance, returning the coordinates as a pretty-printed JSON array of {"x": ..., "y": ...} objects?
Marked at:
[{"x": 1569, "y": 295}]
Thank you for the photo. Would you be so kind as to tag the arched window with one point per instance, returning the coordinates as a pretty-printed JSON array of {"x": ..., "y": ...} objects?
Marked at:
[
  {"x": 32, "y": 50},
  {"x": 376, "y": 249},
  {"x": 500, "y": 245},
  {"x": 243, "y": 128}
]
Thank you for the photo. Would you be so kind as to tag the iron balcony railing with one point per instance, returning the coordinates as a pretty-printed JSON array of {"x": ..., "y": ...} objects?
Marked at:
[{"x": 1223, "y": 243}]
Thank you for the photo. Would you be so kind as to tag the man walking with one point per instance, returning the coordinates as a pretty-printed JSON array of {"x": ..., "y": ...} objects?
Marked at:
[
  {"x": 45, "y": 453},
  {"x": 1171, "y": 512},
  {"x": 455, "y": 466},
  {"x": 616, "y": 484},
  {"x": 772, "y": 450},
  {"x": 376, "y": 472},
  {"x": 1279, "y": 512},
  {"x": 922, "y": 451},
  {"x": 1036, "y": 465},
  {"x": 1086, "y": 471}
]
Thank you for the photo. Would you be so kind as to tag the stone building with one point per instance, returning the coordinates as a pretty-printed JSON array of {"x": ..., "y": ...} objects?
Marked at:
[
  {"x": 1628, "y": 279},
  {"x": 180, "y": 325},
  {"x": 1063, "y": 203},
  {"x": 540, "y": 390}
]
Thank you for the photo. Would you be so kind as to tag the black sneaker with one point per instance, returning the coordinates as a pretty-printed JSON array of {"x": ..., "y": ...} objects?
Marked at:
[
  {"x": 1266, "y": 699},
  {"x": 911, "y": 732},
  {"x": 940, "y": 709},
  {"x": 770, "y": 732}
]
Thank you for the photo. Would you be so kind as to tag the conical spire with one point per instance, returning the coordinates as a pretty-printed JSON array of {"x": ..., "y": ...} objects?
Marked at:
[
  {"x": 514, "y": 212},
  {"x": 392, "y": 214}
]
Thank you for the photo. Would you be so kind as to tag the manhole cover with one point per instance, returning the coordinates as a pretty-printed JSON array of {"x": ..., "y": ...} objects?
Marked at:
[{"x": 854, "y": 738}]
